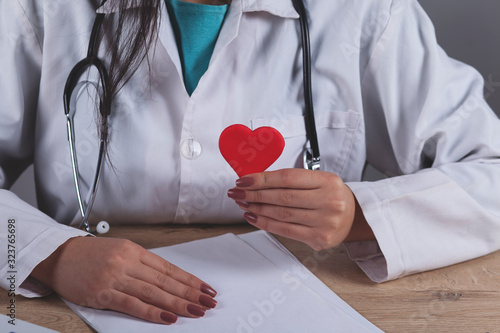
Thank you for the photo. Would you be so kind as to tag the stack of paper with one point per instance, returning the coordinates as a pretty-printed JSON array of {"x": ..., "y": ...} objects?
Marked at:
[{"x": 261, "y": 287}]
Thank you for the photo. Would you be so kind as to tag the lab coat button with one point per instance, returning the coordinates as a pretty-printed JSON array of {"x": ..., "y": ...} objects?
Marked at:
[{"x": 190, "y": 149}]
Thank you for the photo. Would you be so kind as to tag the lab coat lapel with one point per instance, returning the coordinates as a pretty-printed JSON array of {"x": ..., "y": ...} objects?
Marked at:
[
  {"x": 230, "y": 28},
  {"x": 167, "y": 38}
]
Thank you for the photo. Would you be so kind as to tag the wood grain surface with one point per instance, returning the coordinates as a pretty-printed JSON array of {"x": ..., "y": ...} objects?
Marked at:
[{"x": 460, "y": 298}]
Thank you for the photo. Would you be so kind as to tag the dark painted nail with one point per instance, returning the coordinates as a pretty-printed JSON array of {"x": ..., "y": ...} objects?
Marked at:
[
  {"x": 243, "y": 204},
  {"x": 252, "y": 218},
  {"x": 195, "y": 310},
  {"x": 168, "y": 317},
  {"x": 236, "y": 194},
  {"x": 205, "y": 288},
  {"x": 245, "y": 182},
  {"x": 207, "y": 301}
]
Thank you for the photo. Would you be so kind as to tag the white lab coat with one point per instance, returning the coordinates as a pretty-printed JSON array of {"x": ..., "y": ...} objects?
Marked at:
[{"x": 384, "y": 92}]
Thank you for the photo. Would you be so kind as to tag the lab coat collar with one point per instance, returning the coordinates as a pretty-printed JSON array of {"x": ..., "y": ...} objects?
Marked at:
[{"x": 282, "y": 8}]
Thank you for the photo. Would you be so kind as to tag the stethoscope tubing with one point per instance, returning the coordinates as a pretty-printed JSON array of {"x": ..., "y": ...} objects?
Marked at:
[
  {"x": 84, "y": 211},
  {"x": 312, "y": 155}
]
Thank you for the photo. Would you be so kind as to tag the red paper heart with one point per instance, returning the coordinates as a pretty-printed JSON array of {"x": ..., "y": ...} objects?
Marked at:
[{"x": 249, "y": 151}]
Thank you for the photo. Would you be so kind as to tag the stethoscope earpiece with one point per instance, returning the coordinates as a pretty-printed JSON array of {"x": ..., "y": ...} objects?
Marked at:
[{"x": 102, "y": 227}]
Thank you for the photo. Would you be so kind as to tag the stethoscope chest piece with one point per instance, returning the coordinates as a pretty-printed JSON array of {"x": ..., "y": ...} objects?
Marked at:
[{"x": 311, "y": 162}]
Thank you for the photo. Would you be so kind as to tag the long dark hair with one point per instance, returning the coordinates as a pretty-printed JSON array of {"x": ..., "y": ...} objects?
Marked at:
[{"x": 132, "y": 32}]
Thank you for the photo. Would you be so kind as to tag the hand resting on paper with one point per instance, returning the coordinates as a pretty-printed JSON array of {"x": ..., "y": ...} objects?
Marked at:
[
  {"x": 314, "y": 207},
  {"x": 117, "y": 274}
]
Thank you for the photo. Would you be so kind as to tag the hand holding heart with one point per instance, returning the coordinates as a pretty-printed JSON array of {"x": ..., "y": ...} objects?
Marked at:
[{"x": 314, "y": 207}]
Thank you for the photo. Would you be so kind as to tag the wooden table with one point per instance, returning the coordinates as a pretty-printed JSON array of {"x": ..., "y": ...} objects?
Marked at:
[{"x": 460, "y": 298}]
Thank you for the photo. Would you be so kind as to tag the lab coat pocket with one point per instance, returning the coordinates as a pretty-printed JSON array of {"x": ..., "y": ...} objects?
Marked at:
[{"x": 336, "y": 131}]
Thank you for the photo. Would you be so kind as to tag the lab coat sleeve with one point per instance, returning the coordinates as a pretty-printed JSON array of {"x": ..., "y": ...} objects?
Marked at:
[
  {"x": 32, "y": 235},
  {"x": 431, "y": 131}
]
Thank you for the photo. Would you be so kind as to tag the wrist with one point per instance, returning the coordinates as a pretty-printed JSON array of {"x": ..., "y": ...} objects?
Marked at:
[
  {"x": 360, "y": 229},
  {"x": 44, "y": 271}
]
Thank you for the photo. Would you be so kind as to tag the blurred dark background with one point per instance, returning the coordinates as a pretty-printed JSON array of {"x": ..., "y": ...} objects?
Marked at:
[{"x": 469, "y": 30}]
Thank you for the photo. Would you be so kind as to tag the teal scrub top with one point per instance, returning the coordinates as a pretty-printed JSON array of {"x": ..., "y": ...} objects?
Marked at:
[{"x": 196, "y": 28}]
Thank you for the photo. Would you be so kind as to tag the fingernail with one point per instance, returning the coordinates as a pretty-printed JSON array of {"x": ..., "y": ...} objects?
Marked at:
[
  {"x": 205, "y": 288},
  {"x": 195, "y": 310},
  {"x": 243, "y": 204},
  {"x": 236, "y": 194},
  {"x": 207, "y": 301},
  {"x": 245, "y": 182},
  {"x": 252, "y": 218},
  {"x": 168, "y": 317}
]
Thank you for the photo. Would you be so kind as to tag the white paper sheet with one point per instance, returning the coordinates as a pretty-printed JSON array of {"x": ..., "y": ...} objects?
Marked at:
[
  {"x": 279, "y": 255},
  {"x": 254, "y": 294}
]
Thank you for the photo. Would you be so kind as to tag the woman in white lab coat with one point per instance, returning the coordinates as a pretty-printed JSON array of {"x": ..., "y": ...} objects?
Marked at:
[{"x": 384, "y": 93}]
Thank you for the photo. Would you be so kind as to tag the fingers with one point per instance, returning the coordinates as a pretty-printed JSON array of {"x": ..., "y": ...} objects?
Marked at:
[
  {"x": 166, "y": 292},
  {"x": 161, "y": 265},
  {"x": 314, "y": 207},
  {"x": 281, "y": 213},
  {"x": 185, "y": 305},
  {"x": 316, "y": 238},
  {"x": 305, "y": 199},
  {"x": 159, "y": 290},
  {"x": 172, "y": 288},
  {"x": 285, "y": 178},
  {"x": 152, "y": 295},
  {"x": 295, "y": 231},
  {"x": 290, "y": 188},
  {"x": 135, "y": 307}
]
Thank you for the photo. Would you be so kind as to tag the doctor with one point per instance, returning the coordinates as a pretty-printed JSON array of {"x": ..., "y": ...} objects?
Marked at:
[{"x": 384, "y": 92}]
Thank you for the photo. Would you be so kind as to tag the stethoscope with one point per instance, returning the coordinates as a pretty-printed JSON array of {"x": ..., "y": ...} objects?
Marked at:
[{"x": 73, "y": 84}]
